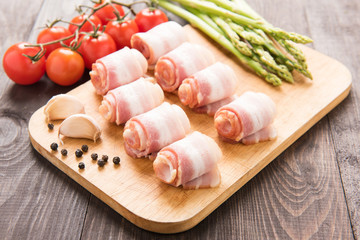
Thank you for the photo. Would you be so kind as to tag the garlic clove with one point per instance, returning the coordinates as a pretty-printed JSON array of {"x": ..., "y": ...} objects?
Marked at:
[
  {"x": 80, "y": 126},
  {"x": 62, "y": 106}
]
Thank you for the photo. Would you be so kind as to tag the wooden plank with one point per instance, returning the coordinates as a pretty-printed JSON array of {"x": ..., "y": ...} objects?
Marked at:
[
  {"x": 338, "y": 36},
  {"x": 132, "y": 189},
  {"x": 34, "y": 196}
]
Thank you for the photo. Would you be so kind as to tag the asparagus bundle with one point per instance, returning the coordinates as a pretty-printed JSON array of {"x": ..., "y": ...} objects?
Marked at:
[{"x": 267, "y": 50}]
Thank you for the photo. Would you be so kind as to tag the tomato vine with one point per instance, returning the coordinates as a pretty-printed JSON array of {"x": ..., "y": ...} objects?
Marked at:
[{"x": 82, "y": 9}]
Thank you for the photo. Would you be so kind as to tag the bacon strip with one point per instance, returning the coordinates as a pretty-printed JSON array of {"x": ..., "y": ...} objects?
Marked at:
[
  {"x": 209, "y": 85},
  {"x": 210, "y": 109},
  {"x": 158, "y": 41},
  {"x": 124, "y": 102},
  {"x": 187, "y": 159},
  {"x": 149, "y": 132},
  {"x": 266, "y": 134},
  {"x": 117, "y": 69},
  {"x": 185, "y": 60},
  {"x": 208, "y": 180},
  {"x": 244, "y": 116}
]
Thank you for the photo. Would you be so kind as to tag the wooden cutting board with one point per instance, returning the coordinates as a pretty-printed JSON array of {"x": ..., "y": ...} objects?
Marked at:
[{"x": 132, "y": 189}]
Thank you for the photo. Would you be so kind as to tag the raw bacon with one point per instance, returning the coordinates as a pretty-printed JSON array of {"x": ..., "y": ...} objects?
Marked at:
[
  {"x": 185, "y": 60},
  {"x": 149, "y": 132},
  {"x": 187, "y": 159},
  {"x": 210, "y": 109},
  {"x": 266, "y": 134},
  {"x": 208, "y": 180},
  {"x": 124, "y": 102},
  {"x": 117, "y": 69},
  {"x": 244, "y": 116},
  {"x": 158, "y": 41},
  {"x": 209, "y": 85}
]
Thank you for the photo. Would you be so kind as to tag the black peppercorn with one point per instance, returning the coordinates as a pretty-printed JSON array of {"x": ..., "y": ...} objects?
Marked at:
[
  {"x": 50, "y": 126},
  {"x": 63, "y": 152},
  {"x": 81, "y": 165},
  {"x": 94, "y": 156},
  {"x": 101, "y": 163},
  {"x": 85, "y": 148},
  {"x": 105, "y": 158},
  {"x": 116, "y": 160},
  {"x": 54, "y": 146},
  {"x": 78, "y": 153}
]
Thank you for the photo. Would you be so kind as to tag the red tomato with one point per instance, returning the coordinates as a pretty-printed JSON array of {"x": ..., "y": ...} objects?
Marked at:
[
  {"x": 51, "y": 34},
  {"x": 106, "y": 13},
  {"x": 64, "y": 66},
  {"x": 148, "y": 18},
  {"x": 93, "y": 48},
  {"x": 121, "y": 32},
  {"x": 87, "y": 27},
  {"x": 21, "y": 69}
]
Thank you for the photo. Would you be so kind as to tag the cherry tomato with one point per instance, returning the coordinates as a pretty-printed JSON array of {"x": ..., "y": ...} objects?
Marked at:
[
  {"x": 148, "y": 18},
  {"x": 93, "y": 48},
  {"x": 21, "y": 69},
  {"x": 106, "y": 13},
  {"x": 121, "y": 31},
  {"x": 64, "y": 66},
  {"x": 87, "y": 27},
  {"x": 51, "y": 34}
]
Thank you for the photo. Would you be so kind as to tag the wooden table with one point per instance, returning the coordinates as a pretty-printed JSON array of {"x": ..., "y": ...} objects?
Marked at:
[{"x": 310, "y": 191}]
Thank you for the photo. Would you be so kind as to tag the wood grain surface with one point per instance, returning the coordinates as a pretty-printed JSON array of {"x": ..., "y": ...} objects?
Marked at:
[{"x": 309, "y": 191}]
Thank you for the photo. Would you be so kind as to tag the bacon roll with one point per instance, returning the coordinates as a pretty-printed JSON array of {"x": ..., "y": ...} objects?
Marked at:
[
  {"x": 124, "y": 102},
  {"x": 188, "y": 159},
  {"x": 244, "y": 116},
  {"x": 117, "y": 69},
  {"x": 158, "y": 41},
  {"x": 147, "y": 133},
  {"x": 185, "y": 60},
  {"x": 209, "y": 85}
]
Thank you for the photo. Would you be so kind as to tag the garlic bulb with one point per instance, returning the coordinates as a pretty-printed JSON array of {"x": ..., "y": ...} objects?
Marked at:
[
  {"x": 62, "y": 106},
  {"x": 80, "y": 126}
]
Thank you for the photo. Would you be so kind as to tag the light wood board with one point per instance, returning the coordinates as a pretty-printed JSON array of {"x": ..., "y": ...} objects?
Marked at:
[{"x": 133, "y": 190}]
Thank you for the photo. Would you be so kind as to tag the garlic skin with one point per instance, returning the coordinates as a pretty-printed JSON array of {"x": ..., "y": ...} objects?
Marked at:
[
  {"x": 79, "y": 126},
  {"x": 62, "y": 106}
]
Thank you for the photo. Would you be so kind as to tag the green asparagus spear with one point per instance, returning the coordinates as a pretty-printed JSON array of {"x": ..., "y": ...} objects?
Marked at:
[
  {"x": 293, "y": 50},
  {"x": 233, "y": 7},
  {"x": 221, "y": 12},
  {"x": 213, "y": 9},
  {"x": 233, "y": 37},
  {"x": 270, "y": 63},
  {"x": 281, "y": 58},
  {"x": 276, "y": 32},
  {"x": 250, "y": 11},
  {"x": 252, "y": 37},
  {"x": 206, "y": 19},
  {"x": 263, "y": 56}
]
